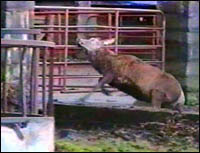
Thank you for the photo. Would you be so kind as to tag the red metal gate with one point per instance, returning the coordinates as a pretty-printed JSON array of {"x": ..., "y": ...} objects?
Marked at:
[{"x": 138, "y": 32}]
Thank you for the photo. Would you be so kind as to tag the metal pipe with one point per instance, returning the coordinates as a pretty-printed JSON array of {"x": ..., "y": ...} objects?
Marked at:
[
  {"x": 50, "y": 106},
  {"x": 98, "y": 31},
  {"x": 74, "y": 77},
  {"x": 163, "y": 43},
  {"x": 60, "y": 41},
  {"x": 34, "y": 82},
  {"x": 97, "y": 8},
  {"x": 81, "y": 63},
  {"x": 119, "y": 46},
  {"x": 98, "y": 26},
  {"x": 116, "y": 31},
  {"x": 66, "y": 42},
  {"x": 22, "y": 97},
  {"x": 91, "y": 12},
  {"x": 44, "y": 100},
  {"x": 5, "y": 85}
]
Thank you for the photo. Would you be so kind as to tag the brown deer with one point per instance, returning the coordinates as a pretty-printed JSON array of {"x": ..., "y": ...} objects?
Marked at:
[{"x": 133, "y": 76}]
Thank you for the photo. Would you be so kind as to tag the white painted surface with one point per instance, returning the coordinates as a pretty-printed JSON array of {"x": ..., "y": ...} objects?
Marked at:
[{"x": 38, "y": 137}]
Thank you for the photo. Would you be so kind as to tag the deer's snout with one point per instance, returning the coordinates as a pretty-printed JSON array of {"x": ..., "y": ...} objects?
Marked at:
[
  {"x": 77, "y": 41},
  {"x": 80, "y": 42}
]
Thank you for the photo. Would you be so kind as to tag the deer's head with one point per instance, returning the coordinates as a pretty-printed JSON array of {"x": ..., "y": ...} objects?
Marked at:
[{"x": 93, "y": 45}]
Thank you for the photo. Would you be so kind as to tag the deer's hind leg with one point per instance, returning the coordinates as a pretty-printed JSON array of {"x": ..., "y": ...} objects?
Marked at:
[{"x": 157, "y": 98}]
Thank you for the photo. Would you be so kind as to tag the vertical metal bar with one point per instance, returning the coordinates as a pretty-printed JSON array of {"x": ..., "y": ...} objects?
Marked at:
[
  {"x": 51, "y": 36},
  {"x": 60, "y": 24},
  {"x": 163, "y": 41},
  {"x": 34, "y": 80},
  {"x": 31, "y": 17},
  {"x": 158, "y": 31},
  {"x": 60, "y": 43},
  {"x": 121, "y": 25},
  {"x": 50, "y": 106},
  {"x": 154, "y": 39},
  {"x": 66, "y": 47},
  {"x": 5, "y": 86},
  {"x": 121, "y": 21},
  {"x": 110, "y": 24},
  {"x": 44, "y": 67},
  {"x": 159, "y": 35},
  {"x": 116, "y": 31},
  {"x": 22, "y": 95}
]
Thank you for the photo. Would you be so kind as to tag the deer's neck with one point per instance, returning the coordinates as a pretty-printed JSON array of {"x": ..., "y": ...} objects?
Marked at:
[{"x": 100, "y": 54}]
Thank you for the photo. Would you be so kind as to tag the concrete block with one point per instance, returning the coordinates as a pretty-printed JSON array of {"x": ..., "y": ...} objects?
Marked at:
[
  {"x": 172, "y": 7},
  {"x": 20, "y": 5},
  {"x": 193, "y": 17},
  {"x": 177, "y": 22},
  {"x": 182, "y": 44},
  {"x": 193, "y": 38},
  {"x": 38, "y": 135},
  {"x": 181, "y": 15},
  {"x": 185, "y": 37},
  {"x": 193, "y": 74},
  {"x": 193, "y": 52},
  {"x": 176, "y": 36}
]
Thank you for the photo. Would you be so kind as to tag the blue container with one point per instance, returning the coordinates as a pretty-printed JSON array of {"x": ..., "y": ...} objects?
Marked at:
[{"x": 129, "y": 4}]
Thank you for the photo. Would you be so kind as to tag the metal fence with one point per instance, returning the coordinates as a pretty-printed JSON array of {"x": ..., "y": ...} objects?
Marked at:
[
  {"x": 24, "y": 99},
  {"x": 137, "y": 32}
]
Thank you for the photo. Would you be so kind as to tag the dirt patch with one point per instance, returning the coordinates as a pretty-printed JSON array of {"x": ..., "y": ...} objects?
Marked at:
[{"x": 174, "y": 135}]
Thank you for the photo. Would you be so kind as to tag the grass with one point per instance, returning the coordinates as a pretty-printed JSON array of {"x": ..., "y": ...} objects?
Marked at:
[
  {"x": 106, "y": 146},
  {"x": 120, "y": 146}
]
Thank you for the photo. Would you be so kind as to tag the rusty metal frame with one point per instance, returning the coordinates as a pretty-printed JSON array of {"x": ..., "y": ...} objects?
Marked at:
[
  {"x": 158, "y": 31},
  {"x": 36, "y": 45}
]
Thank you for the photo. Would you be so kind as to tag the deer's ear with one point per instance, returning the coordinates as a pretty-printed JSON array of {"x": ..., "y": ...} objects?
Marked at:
[{"x": 108, "y": 41}]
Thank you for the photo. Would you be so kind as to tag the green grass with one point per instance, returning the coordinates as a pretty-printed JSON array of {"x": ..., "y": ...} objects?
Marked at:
[
  {"x": 192, "y": 99},
  {"x": 106, "y": 146},
  {"x": 120, "y": 146}
]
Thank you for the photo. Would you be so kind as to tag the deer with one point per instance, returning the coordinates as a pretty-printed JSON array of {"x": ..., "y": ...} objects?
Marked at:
[{"x": 132, "y": 75}]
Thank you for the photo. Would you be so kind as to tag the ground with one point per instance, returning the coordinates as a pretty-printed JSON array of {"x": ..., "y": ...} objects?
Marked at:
[
  {"x": 87, "y": 134},
  {"x": 178, "y": 135}
]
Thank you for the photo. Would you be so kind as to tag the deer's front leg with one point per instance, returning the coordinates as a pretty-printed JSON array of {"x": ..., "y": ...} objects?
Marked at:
[{"x": 107, "y": 78}]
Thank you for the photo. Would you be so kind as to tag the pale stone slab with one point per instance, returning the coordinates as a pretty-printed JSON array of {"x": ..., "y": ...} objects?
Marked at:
[{"x": 38, "y": 135}]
